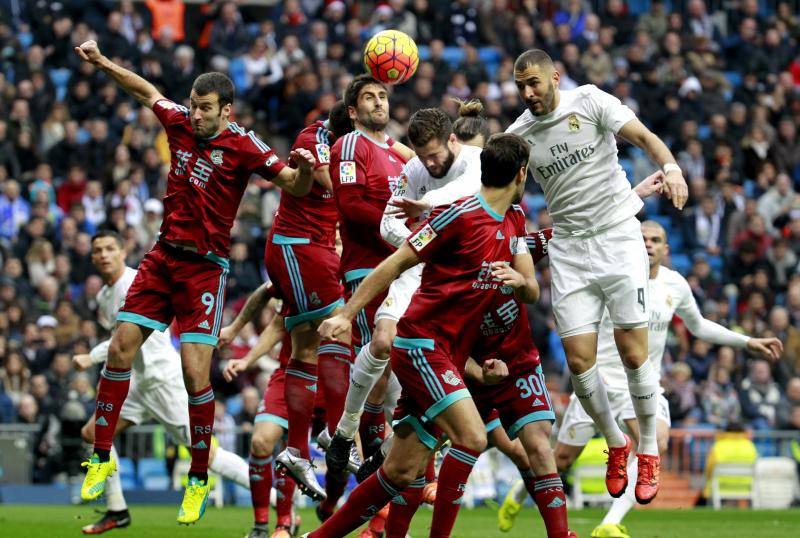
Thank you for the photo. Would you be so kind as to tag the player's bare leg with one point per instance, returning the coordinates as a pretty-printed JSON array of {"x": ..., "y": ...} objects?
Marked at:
[
  {"x": 515, "y": 498},
  {"x": 301, "y": 388},
  {"x": 644, "y": 388},
  {"x": 581, "y": 351},
  {"x": 566, "y": 455},
  {"x": 548, "y": 490},
  {"x": 369, "y": 367},
  {"x": 111, "y": 393},
  {"x": 612, "y": 522}
]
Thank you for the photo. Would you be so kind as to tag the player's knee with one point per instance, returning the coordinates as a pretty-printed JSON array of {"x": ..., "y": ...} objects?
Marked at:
[
  {"x": 261, "y": 444},
  {"x": 540, "y": 450},
  {"x": 564, "y": 460},
  {"x": 120, "y": 354},
  {"x": 381, "y": 345},
  {"x": 473, "y": 440},
  {"x": 401, "y": 471}
]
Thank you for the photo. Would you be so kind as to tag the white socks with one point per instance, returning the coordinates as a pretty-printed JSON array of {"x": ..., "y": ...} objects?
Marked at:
[
  {"x": 365, "y": 372},
  {"x": 591, "y": 393},
  {"x": 520, "y": 492},
  {"x": 643, "y": 386},
  {"x": 230, "y": 467},
  {"x": 623, "y": 505},
  {"x": 115, "y": 500},
  {"x": 392, "y": 395}
]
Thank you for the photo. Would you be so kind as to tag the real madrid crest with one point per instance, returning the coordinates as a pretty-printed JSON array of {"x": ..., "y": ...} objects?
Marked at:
[
  {"x": 669, "y": 301},
  {"x": 573, "y": 123},
  {"x": 216, "y": 156}
]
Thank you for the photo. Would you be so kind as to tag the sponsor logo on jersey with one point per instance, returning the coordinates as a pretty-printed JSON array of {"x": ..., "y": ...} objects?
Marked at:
[
  {"x": 424, "y": 235},
  {"x": 573, "y": 123},
  {"x": 272, "y": 159},
  {"x": 204, "y": 325},
  {"x": 564, "y": 158},
  {"x": 486, "y": 281},
  {"x": 450, "y": 378},
  {"x": 323, "y": 153},
  {"x": 347, "y": 172},
  {"x": 216, "y": 156}
]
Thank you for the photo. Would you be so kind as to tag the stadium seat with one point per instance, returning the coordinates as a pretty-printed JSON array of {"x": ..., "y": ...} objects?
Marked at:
[
  {"x": 775, "y": 483},
  {"x": 238, "y": 73},
  {"x": 588, "y": 475},
  {"x": 703, "y": 131},
  {"x": 675, "y": 240},
  {"x": 663, "y": 220},
  {"x": 127, "y": 473},
  {"x": 681, "y": 263},
  {"x": 730, "y": 469},
  {"x": 150, "y": 467},
  {"x": 156, "y": 483},
  {"x": 60, "y": 79},
  {"x": 627, "y": 166},
  {"x": 734, "y": 78}
]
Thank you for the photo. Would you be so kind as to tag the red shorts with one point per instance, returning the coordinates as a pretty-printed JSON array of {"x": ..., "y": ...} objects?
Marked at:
[
  {"x": 364, "y": 322},
  {"x": 173, "y": 283},
  {"x": 306, "y": 275},
  {"x": 492, "y": 420},
  {"x": 431, "y": 383},
  {"x": 274, "y": 408},
  {"x": 520, "y": 398}
]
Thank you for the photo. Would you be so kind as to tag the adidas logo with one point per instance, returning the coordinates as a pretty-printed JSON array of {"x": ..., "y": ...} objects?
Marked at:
[
  {"x": 312, "y": 388},
  {"x": 254, "y": 477},
  {"x": 500, "y": 235},
  {"x": 204, "y": 325},
  {"x": 557, "y": 502},
  {"x": 101, "y": 421},
  {"x": 201, "y": 445},
  {"x": 537, "y": 401}
]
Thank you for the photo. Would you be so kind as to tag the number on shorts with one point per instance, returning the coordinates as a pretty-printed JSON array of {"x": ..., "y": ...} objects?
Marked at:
[
  {"x": 529, "y": 386},
  {"x": 208, "y": 300}
]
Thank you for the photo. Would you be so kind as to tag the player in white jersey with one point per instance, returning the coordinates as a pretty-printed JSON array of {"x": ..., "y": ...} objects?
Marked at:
[
  {"x": 597, "y": 256},
  {"x": 156, "y": 391},
  {"x": 441, "y": 161},
  {"x": 669, "y": 295}
]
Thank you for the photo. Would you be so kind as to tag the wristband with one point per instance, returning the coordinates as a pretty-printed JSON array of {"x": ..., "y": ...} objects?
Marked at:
[{"x": 671, "y": 167}]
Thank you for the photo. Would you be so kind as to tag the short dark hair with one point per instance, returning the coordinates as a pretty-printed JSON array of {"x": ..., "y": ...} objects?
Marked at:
[
  {"x": 533, "y": 57},
  {"x": 429, "y": 124},
  {"x": 109, "y": 233},
  {"x": 471, "y": 122},
  {"x": 502, "y": 157},
  {"x": 356, "y": 85},
  {"x": 215, "y": 82},
  {"x": 339, "y": 122}
]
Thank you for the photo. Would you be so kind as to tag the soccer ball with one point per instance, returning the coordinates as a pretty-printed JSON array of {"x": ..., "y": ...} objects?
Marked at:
[{"x": 391, "y": 57}]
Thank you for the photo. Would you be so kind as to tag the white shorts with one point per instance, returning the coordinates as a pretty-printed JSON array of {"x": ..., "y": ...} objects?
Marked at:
[
  {"x": 577, "y": 427},
  {"x": 166, "y": 403},
  {"x": 609, "y": 269},
  {"x": 399, "y": 296}
]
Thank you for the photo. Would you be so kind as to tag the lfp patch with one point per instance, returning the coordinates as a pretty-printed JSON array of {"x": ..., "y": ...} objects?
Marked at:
[
  {"x": 323, "y": 153},
  {"x": 347, "y": 172},
  {"x": 424, "y": 235}
]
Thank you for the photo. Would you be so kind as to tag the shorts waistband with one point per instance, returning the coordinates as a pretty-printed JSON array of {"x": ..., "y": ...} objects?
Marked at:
[
  {"x": 588, "y": 232},
  {"x": 192, "y": 252}
]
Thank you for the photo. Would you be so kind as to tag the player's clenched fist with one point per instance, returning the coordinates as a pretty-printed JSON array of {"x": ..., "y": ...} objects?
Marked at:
[
  {"x": 336, "y": 328},
  {"x": 81, "y": 362},
  {"x": 89, "y": 51},
  {"x": 507, "y": 275},
  {"x": 233, "y": 369},
  {"x": 303, "y": 158},
  {"x": 494, "y": 371}
]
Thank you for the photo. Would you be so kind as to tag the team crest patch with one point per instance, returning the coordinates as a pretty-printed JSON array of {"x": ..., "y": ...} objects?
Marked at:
[
  {"x": 450, "y": 378},
  {"x": 424, "y": 235},
  {"x": 669, "y": 301},
  {"x": 573, "y": 123},
  {"x": 216, "y": 156},
  {"x": 323, "y": 153},
  {"x": 347, "y": 172}
]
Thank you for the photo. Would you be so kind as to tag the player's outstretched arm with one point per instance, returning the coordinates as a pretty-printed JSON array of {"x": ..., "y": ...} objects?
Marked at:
[
  {"x": 139, "y": 88},
  {"x": 255, "y": 303},
  {"x": 652, "y": 184},
  {"x": 768, "y": 348},
  {"x": 268, "y": 338},
  {"x": 675, "y": 187},
  {"x": 297, "y": 181},
  {"x": 338, "y": 326},
  {"x": 520, "y": 275}
]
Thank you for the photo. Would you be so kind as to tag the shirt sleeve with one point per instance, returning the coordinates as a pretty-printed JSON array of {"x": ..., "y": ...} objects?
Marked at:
[
  {"x": 170, "y": 113},
  {"x": 318, "y": 148},
  {"x": 435, "y": 235},
  {"x": 701, "y": 327},
  {"x": 393, "y": 229},
  {"x": 99, "y": 353},
  {"x": 538, "y": 243},
  {"x": 606, "y": 110},
  {"x": 348, "y": 165},
  {"x": 466, "y": 184},
  {"x": 258, "y": 158}
]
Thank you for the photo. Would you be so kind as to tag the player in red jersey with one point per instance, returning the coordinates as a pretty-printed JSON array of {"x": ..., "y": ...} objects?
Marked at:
[
  {"x": 474, "y": 250},
  {"x": 183, "y": 277}
]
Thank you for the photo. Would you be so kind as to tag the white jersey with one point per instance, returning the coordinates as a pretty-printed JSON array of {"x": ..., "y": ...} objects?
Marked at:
[
  {"x": 669, "y": 294},
  {"x": 157, "y": 361},
  {"x": 463, "y": 179},
  {"x": 574, "y": 158}
]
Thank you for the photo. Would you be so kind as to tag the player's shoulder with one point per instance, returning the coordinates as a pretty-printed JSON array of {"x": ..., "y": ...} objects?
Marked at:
[
  {"x": 345, "y": 147},
  {"x": 460, "y": 211},
  {"x": 246, "y": 139},
  {"x": 471, "y": 153},
  {"x": 521, "y": 125},
  {"x": 315, "y": 133},
  {"x": 672, "y": 278},
  {"x": 415, "y": 170},
  {"x": 169, "y": 106}
]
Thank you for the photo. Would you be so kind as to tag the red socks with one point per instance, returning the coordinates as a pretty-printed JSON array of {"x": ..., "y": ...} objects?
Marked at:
[
  {"x": 530, "y": 481},
  {"x": 301, "y": 387},
  {"x": 111, "y": 393},
  {"x": 285, "y": 489},
  {"x": 201, "y": 424},
  {"x": 260, "y": 486},
  {"x": 363, "y": 503},
  {"x": 403, "y": 507},
  {"x": 453, "y": 476},
  {"x": 372, "y": 428},
  {"x": 552, "y": 503}
]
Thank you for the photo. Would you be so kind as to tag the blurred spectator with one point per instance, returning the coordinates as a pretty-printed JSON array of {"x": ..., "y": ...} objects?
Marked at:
[
  {"x": 760, "y": 396},
  {"x": 780, "y": 326},
  {"x": 228, "y": 37},
  {"x": 679, "y": 390},
  {"x": 14, "y": 210},
  {"x": 251, "y": 400},
  {"x": 14, "y": 376},
  {"x": 786, "y": 419},
  {"x": 719, "y": 399}
]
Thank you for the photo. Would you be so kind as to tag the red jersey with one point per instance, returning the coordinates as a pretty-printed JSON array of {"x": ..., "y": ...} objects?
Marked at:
[
  {"x": 356, "y": 159},
  {"x": 458, "y": 245},
  {"x": 314, "y": 215},
  {"x": 286, "y": 351},
  {"x": 207, "y": 178},
  {"x": 505, "y": 334}
]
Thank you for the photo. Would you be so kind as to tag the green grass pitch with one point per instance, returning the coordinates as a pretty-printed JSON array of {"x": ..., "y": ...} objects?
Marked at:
[{"x": 20, "y": 521}]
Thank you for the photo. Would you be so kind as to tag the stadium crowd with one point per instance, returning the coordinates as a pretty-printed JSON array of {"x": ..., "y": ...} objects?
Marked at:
[{"x": 78, "y": 155}]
